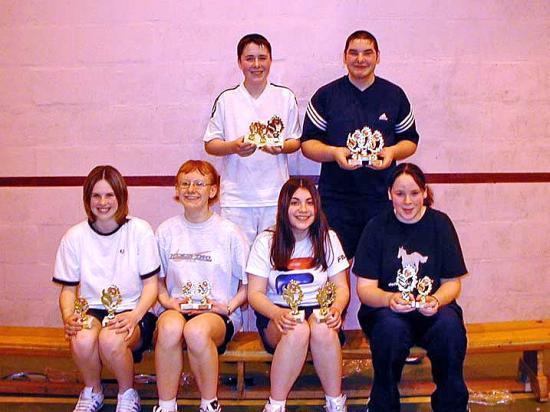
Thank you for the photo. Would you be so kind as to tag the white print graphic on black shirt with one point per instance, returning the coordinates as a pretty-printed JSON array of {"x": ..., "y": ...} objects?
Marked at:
[{"x": 407, "y": 276}]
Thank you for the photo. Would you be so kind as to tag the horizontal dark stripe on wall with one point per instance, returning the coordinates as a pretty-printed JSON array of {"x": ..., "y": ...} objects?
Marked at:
[{"x": 438, "y": 178}]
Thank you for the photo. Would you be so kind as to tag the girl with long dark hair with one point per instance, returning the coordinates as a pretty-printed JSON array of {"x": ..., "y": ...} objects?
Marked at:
[{"x": 302, "y": 248}]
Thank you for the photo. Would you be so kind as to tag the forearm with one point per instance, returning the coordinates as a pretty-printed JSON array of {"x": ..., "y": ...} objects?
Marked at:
[
  {"x": 373, "y": 296},
  {"x": 66, "y": 301},
  {"x": 318, "y": 151},
  {"x": 148, "y": 297},
  {"x": 448, "y": 291},
  {"x": 261, "y": 303},
  {"x": 404, "y": 149},
  {"x": 163, "y": 295},
  {"x": 239, "y": 299},
  {"x": 219, "y": 147},
  {"x": 342, "y": 298},
  {"x": 291, "y": 145}
]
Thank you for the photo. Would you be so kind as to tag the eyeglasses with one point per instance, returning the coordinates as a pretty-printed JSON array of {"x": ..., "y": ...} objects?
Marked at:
[{"x": 186, "y": 184}]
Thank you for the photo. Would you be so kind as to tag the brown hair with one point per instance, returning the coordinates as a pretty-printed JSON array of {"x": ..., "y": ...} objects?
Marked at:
[
  {"x": 117, "y": 183},
  {"x": 361, "y": 34},
  {"x": 204, "y": 168},
  {"x": 252, "y": 38},
  {"x": 283, "y": 238},
  {"x": 418, "y": 176}
]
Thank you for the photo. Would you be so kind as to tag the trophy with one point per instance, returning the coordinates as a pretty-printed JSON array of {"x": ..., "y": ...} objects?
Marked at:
[
  {"x": 110, "y": 298},
  {"x": 257, "y": 134},
  {"x": 195, "y": 295},
  {"x": 275, "y": 127},
  {"x": 293, "y": 295},
  {"x": 406, "y": 282},
  {"x": 268, "y": 134},
  {"x": 365, "y": 145},
  {"x": 81, "y": 308},
  {"x": 424, "y": 287},
  {"x": 325, "y": 297}
]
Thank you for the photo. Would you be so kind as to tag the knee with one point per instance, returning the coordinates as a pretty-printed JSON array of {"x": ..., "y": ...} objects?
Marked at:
[
  {"x": 83, "y": 343},
  {"x": 299, "y": 336},
  {"x": 111, "y": 344},
  {"x": 196, "y": 338},
  {"x": 322, "y": 335},
  {"x": 169, "y": 334}
]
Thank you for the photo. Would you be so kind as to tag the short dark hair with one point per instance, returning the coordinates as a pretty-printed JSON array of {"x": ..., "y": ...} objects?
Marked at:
[
  {"x": 117, "y": 183},
  {"x": 418, "y": 176},
  {"x": 204, "y": 168},
  {"x": 284, "y": 242},
  {"x": 361, "y": 34},
  {"x": 252, "y": 38}
]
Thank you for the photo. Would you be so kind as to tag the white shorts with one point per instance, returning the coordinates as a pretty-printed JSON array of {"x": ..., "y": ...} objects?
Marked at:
[{"x": 251, "y": 220}]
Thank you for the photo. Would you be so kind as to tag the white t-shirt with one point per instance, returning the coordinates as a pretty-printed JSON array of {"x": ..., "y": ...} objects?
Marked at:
[
  {"x": 252, "y": 181},
  {"x": 96, "y": 261},
  {"x": 310, "y": 279},
  {"x": 213, "y": 250}
]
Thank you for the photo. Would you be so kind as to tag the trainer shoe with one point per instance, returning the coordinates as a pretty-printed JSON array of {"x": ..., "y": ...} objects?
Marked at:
[
  {"x": 128, "y": 401},
  {"x": 88, "y": 401},
  {"x": 337, "y": 405},
  {"x": 159, "y": 409},
  {"x": 214, "y": 406},
  {"x": 273, "y": 408}
]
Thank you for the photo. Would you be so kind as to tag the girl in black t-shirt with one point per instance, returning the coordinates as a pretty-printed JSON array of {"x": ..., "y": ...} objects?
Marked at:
[{"x": 417, "y": 248}]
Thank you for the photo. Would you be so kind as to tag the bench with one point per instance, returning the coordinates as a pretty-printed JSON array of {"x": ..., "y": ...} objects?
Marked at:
[{"x": 530, "y": 338}]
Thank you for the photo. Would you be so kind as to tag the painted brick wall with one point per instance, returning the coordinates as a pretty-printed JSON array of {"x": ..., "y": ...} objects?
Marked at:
[{"x": 132, "y": 83}]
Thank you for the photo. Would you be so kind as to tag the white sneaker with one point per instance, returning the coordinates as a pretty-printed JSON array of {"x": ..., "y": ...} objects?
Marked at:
[
  {"x": 337, "y": 405},
  {"x": 89, "y": 401},
  {"x": 273, "y": 408},
  {"x": 214, "y": 406},
  {"x": 159, "y": 409},
  {"x": 128, "y": 401}
]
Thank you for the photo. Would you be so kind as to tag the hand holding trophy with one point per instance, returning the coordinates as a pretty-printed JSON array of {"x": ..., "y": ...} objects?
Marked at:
[
  {"x": 406, "y": 282},
  {"x": 81, "y": 308},
  {"x": 365, "y": 145},
  {"x": 293, "y": 296},
  {"x": 110, "y": 298},
  {"x": 196, "y": 295},
  {"x": 325, "y": 297}
]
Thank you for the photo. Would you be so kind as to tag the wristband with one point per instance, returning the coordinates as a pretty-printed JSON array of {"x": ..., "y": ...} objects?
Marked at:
[{"x": 437, "y": 300}]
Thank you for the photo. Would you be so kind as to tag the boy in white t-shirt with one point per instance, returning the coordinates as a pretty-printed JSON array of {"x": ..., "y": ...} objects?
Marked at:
[{"x": 251, "y": 179}]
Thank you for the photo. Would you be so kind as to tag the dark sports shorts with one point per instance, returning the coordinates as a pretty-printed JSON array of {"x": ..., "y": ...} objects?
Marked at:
[
  {"x": 146, "y": 327},
  {"x": 262, "y": 322},
  {"x": 229, "y": 329}
]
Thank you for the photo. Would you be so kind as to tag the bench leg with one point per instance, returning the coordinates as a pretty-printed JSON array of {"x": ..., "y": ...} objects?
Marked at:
[
  {"x": 240, "y": 380},
  {"x": 531, "y": 371}
]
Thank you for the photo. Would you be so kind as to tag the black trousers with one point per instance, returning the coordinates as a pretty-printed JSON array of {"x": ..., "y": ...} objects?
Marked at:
[{"x": 391, "y": 335}]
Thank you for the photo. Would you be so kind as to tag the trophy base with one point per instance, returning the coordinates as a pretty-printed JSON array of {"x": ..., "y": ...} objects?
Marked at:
[
  {"x": 319, "y": 317},
  {"x": 106, "y": 320},
  {"x": 299, "y": 317},
  {"x": 418, "y": 305},
  {"x": 195, "y": 306},
  {"x": 87, "y": 323},
  {"x": 355, "y": 162}
]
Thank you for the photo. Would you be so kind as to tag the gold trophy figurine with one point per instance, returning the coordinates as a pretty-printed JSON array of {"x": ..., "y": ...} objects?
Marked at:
[
  {"x": 81, "y": 308},
  {"x": 186, "y": 292},
  {"x": 325, "y": 297},
  {"x": 424, "y": 287},
  {"x": 293, "y": 296},
  {"x": 110, "y": 298}
]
